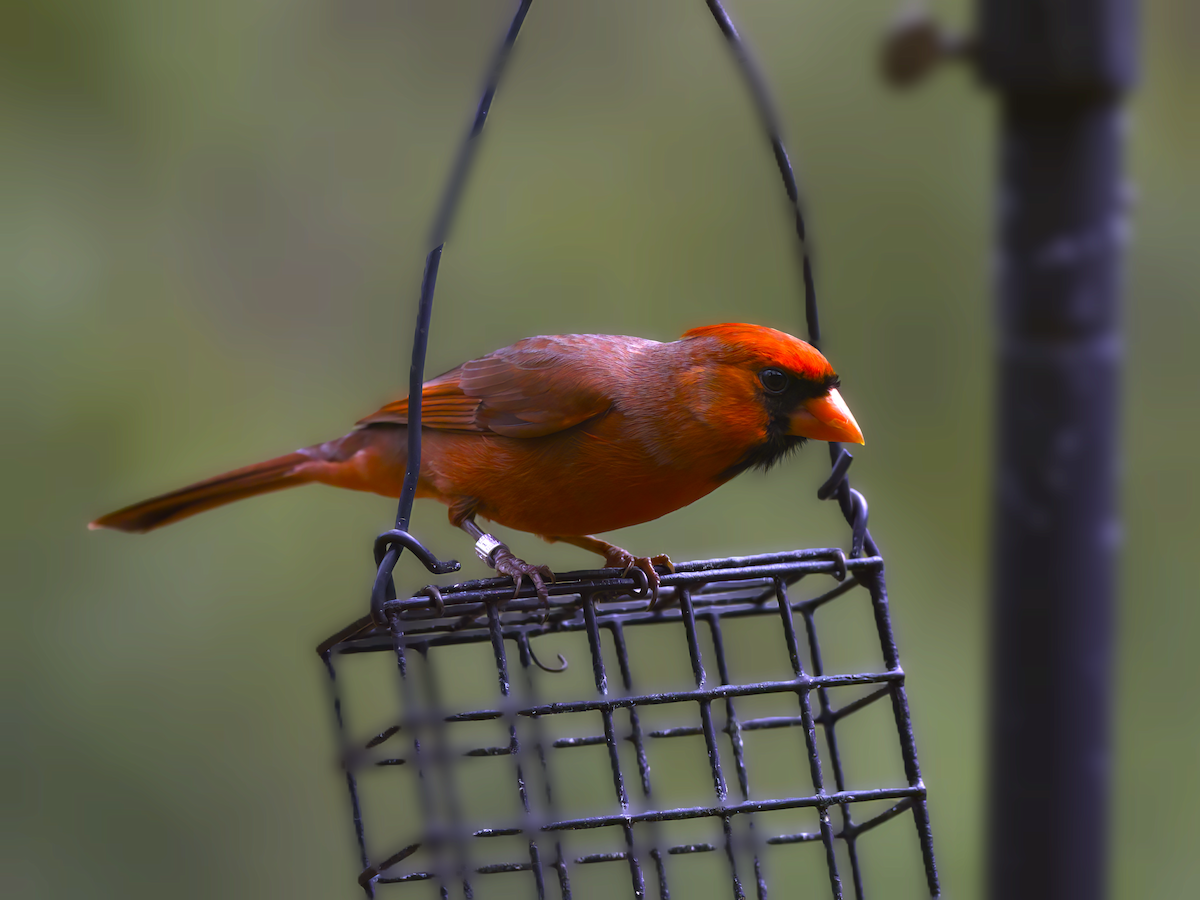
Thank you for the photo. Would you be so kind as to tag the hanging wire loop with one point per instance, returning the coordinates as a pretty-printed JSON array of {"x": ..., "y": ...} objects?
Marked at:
[
  {"x": 770, "y": 120},
  {"x": 388, "y": 547},
  {"x": 852, "y": 503},
  {"x": 384, "y": 589},
  {"x": 855, "y": 511},
  {"x": 841, "y": 465},
  {"x": 388, "y": 540}
]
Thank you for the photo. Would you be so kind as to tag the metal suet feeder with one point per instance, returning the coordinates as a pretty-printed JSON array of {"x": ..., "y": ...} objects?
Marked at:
[{"x": 543, "y": 783}]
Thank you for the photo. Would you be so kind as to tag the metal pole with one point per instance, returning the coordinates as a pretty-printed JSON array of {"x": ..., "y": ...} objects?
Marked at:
[{"x": 1061, "y": 68}]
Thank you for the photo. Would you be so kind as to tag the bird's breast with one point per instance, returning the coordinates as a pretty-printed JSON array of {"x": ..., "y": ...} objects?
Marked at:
[{"x": 600, "y": 476}]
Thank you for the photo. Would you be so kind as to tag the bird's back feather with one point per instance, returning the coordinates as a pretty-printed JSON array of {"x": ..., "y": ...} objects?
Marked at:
[{"x": 536, "y": 387}]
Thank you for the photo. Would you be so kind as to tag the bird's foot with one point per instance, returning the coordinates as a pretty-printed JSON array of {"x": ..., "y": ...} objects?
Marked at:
[
  {"x": 496, "y": 555},
  {"x": 503, "y": 561},
  {"x": 617, "y": 558}
]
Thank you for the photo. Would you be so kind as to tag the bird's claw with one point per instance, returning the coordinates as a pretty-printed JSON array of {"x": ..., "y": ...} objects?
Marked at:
[
  {"x": 624, "y": 560},
  {"x": 503, "y": 561}
]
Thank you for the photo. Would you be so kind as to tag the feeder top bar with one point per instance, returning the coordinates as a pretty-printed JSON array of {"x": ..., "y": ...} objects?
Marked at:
[{"x": 452, "y": 614}]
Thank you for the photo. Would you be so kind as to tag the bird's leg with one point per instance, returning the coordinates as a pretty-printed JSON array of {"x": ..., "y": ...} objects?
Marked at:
[
  {"x": 497, "y": 555},
  {"x": 616, "y": 558}
]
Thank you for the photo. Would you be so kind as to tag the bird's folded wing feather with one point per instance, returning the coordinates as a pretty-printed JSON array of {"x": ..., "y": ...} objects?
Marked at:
[{"x": 536, "y": 387}]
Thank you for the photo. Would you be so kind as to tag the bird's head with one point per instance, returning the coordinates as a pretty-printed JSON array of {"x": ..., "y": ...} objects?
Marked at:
[{"x": 779, "y": 385}]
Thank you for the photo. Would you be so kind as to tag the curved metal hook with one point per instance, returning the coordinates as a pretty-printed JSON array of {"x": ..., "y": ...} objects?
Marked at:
[
  {"x": 859, "y": 526},
  {"x": 641, "y": 591},
  {"x": 853, "y": 504},
  {"x": 563, "y": 664},
  {"x": 383, "y": 589},
  {"x": 387, "y": 554},
  {"x": 435, "y": 596},
  {"x": 836, "y": 475},
  {"x": 839, "y": 563},
  {"x": 367, "y": 878},
  {"x": 389, "y": 539}
]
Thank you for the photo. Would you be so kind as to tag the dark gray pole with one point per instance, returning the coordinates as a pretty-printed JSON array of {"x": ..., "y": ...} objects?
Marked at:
[{"x": 1061, "y": 68}]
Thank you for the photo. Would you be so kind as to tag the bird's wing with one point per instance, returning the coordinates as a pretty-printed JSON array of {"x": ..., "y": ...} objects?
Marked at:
[{"x": 536, "y": 387}]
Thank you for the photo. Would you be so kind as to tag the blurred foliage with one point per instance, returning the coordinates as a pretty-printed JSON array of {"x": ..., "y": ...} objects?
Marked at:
[{"x": 212, "y": 233}]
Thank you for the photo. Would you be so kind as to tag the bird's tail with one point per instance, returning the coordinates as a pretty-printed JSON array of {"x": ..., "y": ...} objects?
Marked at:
[
  {"x": 272, "y": 475},
  {"x": 363, "y": 460}
]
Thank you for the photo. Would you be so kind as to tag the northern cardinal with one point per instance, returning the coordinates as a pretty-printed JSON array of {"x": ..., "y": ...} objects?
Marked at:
[{"x": 568, "y": 435}]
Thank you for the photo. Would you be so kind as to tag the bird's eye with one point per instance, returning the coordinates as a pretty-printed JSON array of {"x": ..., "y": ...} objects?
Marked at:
[{"x": 774, "y": 380}]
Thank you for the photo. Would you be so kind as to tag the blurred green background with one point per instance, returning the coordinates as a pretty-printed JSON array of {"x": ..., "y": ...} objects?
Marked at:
[{"x": 211, "y": 237}]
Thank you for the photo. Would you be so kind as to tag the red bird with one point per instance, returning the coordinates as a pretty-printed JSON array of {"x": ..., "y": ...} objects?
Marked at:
[{"x": 567, "y": 435}]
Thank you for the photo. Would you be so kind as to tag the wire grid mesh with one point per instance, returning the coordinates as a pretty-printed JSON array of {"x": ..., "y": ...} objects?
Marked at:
[
  {"x": 430, "y": 749},
  {"x": 445, "y": 848}
]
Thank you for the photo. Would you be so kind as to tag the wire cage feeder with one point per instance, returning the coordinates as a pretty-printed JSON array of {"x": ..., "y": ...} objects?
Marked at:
[{"x": 681, "y": 759}]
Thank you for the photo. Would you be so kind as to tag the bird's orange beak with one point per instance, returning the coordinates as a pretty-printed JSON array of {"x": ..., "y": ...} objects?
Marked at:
[{"x": 826, "y": 418}]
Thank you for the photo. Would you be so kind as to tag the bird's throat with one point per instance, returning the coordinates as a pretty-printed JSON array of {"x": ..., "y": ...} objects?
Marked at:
[{"x": 763, "y": 456}]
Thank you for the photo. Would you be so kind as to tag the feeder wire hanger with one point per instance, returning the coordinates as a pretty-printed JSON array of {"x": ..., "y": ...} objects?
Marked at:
[{"x": 390, "y": 544}]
